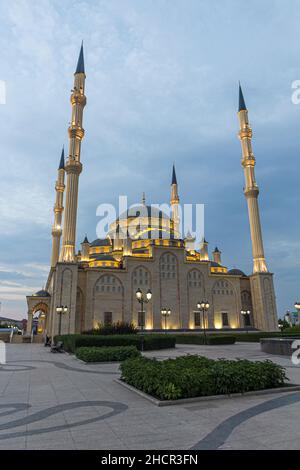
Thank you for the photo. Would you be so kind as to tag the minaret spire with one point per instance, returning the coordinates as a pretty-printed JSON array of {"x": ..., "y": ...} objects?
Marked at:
[
  {"x": 174, "y": 179},
  {"x": 62, "y": 160},
  {"x": 73, "y": 165},
  {"x": 174, "y": 203},
  {"x": 251, "y": 190},
  {"x": 80, "y": 62},
  {"x": 242, "y": 105},
  {"x": 58, "y": 210}
]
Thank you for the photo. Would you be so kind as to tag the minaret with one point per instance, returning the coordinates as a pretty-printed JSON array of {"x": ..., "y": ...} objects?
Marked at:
[
  {"x": 217, "y": 255},
  {"x": 58, "y": 210},
  {"x": 85, "y": 249},
  {"x": 73, "y": 165},
  {"x": 189, "y": 242},
  {"x": 174, "y": 203},
  {"x": 204, "y": 250},
  {"x": 251, "y": 190},
  {"x": 118, "y": 239}
]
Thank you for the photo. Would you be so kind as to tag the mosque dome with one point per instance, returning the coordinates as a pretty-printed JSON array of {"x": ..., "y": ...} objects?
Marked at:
[
  {"x": 101, "y": 242},
  {"x": 236, "y": 272},
  {"x": 151, "y": 223},
  {"x": 42, "y": 293}
]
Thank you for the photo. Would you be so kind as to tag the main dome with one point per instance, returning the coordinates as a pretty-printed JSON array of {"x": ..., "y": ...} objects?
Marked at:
[{"x": 142, "y": 221}]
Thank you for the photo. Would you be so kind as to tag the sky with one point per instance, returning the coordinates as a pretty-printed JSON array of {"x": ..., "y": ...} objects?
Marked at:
[{"x": 161, "y": 87}]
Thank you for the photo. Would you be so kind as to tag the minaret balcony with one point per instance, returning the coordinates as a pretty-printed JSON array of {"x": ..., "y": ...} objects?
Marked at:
[
  {"x": 251, "y": 192},
  {"x": 76, "y": 132},
  {"x": 73, "y": 166},
  {"x": 78, "y": 98},
  {"x": 246, "y": 132}
]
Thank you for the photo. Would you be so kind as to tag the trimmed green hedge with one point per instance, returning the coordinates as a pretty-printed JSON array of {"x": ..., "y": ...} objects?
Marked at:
[
  {"x": 193, "y": 376},
  {"x": 292, "y": 330},
  {"x": 210, "y": 339},
  {"x": 151, "y": 342},
  {"x": 255, "y": 337},
  {"x": 118, "y": 328},
  {"x": 105, "y": 354}
]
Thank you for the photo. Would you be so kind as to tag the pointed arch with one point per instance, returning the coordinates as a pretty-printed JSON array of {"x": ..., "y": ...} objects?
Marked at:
[
  {"x": 107, "y": 299},
  {"x": 226, "y": 304}
]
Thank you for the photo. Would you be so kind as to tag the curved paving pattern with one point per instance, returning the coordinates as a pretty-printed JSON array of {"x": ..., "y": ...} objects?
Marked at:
[
  {"x": 22, "y": 368},
  {"x": 220, "y": 434},
  {"x": 60, "y": 365},
  {"x": 55, "y": 402},
  {"x": 115, "y": 407},
  {"x": 13, "y": 408}
]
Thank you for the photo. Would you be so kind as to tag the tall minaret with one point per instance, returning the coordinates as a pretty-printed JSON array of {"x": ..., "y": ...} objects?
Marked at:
[
  {"x": 58, "y": 210},
  {"x": 251, "y": 190},
  {"x": 174, "y": 203},
  {"x": 73, "y": 165}
]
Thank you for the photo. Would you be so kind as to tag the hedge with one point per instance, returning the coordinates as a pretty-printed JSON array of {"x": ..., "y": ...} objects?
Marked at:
[
  {"x": 104, "y": 354},
  {"x": 210, "y": 339},
  {"x": 294, "y": 330},
  {"x": 151, "y": 342},
  {"x": 255, "y": 337},
  {"x": 193, "y": 376},
  {"x": 118, "y": 328}
]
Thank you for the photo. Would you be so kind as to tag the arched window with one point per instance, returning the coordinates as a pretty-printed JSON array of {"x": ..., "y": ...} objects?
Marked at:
[
  {"x": 107, "y": 285},
  {"x": 141, "y": 277},
  {"x": 194, "y": 279},
  {"x": 222, "y": 288},
  {"x": 168, "y": 266}
]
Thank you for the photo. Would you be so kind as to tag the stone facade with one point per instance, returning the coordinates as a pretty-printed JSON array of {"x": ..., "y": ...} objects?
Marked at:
[{"x": 95, "y": 296}]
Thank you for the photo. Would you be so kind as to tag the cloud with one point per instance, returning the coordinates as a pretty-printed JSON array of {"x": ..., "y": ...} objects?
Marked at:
[{"x": 161, "y": 87}]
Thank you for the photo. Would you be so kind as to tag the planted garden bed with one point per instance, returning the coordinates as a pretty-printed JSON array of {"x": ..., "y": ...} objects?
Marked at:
[
  {"x": 106, "y": 354},
  {"x": 194, "y": 376}
]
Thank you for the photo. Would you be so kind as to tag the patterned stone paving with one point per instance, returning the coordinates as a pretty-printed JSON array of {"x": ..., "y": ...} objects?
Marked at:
[{"x": 53, "y": 401}]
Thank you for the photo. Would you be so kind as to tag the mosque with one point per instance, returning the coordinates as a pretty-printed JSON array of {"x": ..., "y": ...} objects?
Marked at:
[{"x": 106, "y": 280}]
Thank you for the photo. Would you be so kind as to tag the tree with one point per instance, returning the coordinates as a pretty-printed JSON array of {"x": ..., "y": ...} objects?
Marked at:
[{"x": 283, "y": 324}]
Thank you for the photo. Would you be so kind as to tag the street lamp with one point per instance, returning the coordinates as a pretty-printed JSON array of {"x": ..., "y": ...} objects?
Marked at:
[
  {"x": 60, "y": 310},
  {"x": 166, "y": 313},
  {"x": 203, "y": 306},
  {"x": 280, "y": 326},
  {"x": 246, "y": 315},
  {"x": 143, "y": 299}
]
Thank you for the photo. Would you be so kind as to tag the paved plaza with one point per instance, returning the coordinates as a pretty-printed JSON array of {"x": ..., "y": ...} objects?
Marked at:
[{"x": 53, "y": 401}]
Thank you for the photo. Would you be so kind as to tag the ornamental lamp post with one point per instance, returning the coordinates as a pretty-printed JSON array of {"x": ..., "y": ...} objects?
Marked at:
[
  {"x": 246, "y": 315},
  {"x": 203, "y": 306},
  {"x": 60, "y": 310},
  {"x": 143, "y": 299},
  {"x": 165, "y": 313}
]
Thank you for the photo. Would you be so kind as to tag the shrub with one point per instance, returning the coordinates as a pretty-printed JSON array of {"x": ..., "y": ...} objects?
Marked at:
[
  {"x": 192, "y": 376},
  {"x": 210, "y": 339},
  {"x": 292, "y": 330},
  {"x": 115, "y": 353},
  {"x": 119, "y": 328},
  {"x": 151, "y": 342},
  {"x": 255, "y": 337}
]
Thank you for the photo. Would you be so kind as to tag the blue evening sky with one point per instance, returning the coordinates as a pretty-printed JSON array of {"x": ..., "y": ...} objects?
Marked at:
[{"x": 162, "y": 86}]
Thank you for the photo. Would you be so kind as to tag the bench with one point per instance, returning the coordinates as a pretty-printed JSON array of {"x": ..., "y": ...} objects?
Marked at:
[{"x": 58, "y": 347}]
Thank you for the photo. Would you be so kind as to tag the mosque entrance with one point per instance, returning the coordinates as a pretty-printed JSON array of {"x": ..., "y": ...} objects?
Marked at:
[{"x": 39, "y": 320}]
